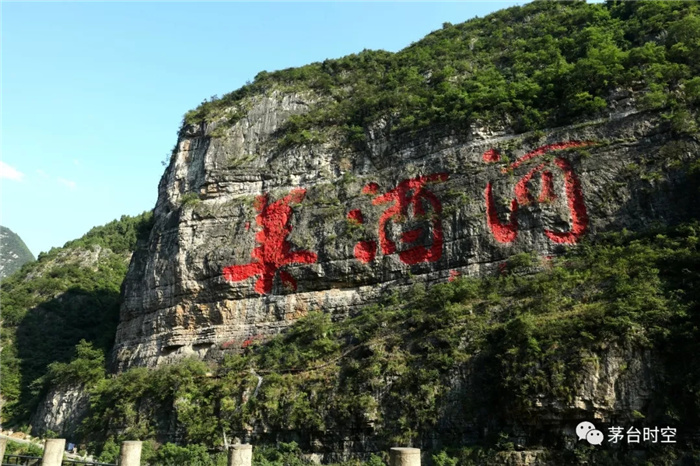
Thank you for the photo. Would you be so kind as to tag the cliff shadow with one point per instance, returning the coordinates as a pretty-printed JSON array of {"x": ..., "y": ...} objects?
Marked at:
[{"x": 49, "y": 332}]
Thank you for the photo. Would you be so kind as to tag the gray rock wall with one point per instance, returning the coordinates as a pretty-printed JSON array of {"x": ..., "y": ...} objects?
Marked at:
[
  {"x": 61, "y": 411},
  {"x": 249, "y": 236}
]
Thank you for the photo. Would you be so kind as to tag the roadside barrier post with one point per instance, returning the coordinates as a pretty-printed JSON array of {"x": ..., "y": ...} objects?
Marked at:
[
  {"x": 3, "y": 445},
  {"x": 130, "y": 454},
  {"x": 404, "y": 456},
  {"x": 240, "y": 455},
  {"x": 53, "y": 452}
]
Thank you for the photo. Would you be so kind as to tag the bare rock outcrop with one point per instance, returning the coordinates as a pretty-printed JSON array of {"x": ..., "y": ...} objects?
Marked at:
[{"x": 250, "y": 234}]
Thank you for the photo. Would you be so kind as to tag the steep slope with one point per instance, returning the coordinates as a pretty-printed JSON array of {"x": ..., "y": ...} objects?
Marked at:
[
  {"x": 48, "y": 306},
  {"x": 13, "y": 252},
  {"x": 491, "y": 371},
  {"x": 316, "y": 188}
]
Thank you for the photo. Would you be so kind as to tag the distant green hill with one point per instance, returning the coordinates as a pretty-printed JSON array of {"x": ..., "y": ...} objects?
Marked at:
[
  {"x": 49, "y": 305},
  {"x": 13, "y": 252}
]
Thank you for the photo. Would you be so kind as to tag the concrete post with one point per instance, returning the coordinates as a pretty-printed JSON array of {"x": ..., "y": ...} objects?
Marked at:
[
  {"x": 240, "y": 455},
  {"x": 53, "y": 452},
  {"x": 130, "y": 454},
  {"x": 404, "y": 456},
  {"x": 3, "y": 445}
]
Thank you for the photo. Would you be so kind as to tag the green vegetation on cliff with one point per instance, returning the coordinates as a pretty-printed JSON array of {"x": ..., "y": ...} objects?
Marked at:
[
  {"x": 69, "y": 294},
  {"x": 540, "y": 65},
  {"x": 490, "y": 352}
]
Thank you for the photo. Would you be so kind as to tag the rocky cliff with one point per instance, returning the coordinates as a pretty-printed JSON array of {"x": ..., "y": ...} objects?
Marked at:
[
  {"x": 61, "y": 411},
  {"x": 495, "y": 156},
  {"x": 318, "y": 187},
  {"x": 249, "y": 236}
]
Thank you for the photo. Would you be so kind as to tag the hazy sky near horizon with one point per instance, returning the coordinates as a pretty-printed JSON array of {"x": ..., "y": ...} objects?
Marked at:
[{"x": 93, "y": 93}]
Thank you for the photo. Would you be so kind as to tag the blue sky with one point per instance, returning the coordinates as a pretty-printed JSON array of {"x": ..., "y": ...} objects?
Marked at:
[{"x": 93, "y": 93}]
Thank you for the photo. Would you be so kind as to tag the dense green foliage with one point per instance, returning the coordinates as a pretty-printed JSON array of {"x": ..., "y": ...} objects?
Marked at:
[
  {"x": 10, "y": 245},
  {"x": 50, "y": 305},
  {"x": 540, "y": 65},
  {"x": 387, "y": 370},
  {"x": 119, "y": 236},
  {"x": 170, "y": 454},
  {"x": 28, "y": 449},
  {"x": 86, "y": 367}
]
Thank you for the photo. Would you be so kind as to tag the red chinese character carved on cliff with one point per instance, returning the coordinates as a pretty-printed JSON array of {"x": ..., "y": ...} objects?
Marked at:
[
  {"x": 365, "y": 251},
  {"x": 409, "y": 197},
  {"x": 273, "y": 251},
  {"x": 506, "y": 232}
]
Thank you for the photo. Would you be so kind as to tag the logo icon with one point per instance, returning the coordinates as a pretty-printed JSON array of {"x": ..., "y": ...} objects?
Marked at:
[
  {"x": 594, "y": 437},
  {"x": 586, "y": 431}
]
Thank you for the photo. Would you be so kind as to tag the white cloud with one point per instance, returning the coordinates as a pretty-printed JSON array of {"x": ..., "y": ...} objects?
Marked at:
[
  {"x": 68, "y": 183},
  {"x": 9, "y": 172}
]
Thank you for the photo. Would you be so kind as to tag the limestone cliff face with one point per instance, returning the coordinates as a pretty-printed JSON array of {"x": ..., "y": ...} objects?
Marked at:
[
  {"x": 61, "y": 410},
  {"x": 250, "y": 235}
]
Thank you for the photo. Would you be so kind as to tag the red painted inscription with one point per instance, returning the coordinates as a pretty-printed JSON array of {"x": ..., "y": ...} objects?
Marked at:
[
  {"x": 409, "y": 199},
  {"x": 506, "y": 232},
  {"x": 274, "y": 250}
]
